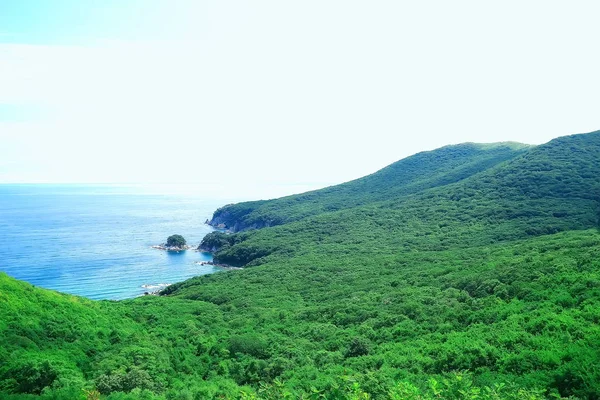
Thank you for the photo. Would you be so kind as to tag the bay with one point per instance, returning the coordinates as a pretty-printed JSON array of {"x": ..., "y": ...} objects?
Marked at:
[{"x": 95, "y": 240}]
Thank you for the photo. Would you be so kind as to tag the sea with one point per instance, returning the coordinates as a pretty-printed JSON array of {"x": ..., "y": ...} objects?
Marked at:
[{"x": 96, "y": 240}]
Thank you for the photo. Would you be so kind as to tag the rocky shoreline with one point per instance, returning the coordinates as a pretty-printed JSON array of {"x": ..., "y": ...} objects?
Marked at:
[
  {"x": 161, "y": 286},
  {"x": 224, "y": 266},
  {"x": 172, "y": 248}
]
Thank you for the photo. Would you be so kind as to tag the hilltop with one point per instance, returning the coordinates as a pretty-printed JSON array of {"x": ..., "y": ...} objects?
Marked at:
[
  {"x": 471, "y": 271},
  {"x": 529, "y": 191},
  {"x": 411, "y": 175}
]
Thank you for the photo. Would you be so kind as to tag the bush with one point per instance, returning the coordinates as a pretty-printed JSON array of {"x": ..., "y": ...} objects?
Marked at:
[
  {"x": 359, "y": 346},
  {"x": 33, "y": 376},
  {"x": 176, "y": 241},
  {"x": 250, "y": 344},
  {"x": 134, "y": 379}
]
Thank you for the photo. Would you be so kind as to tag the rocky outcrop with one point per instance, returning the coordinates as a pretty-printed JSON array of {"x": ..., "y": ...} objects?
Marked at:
[
  {"x": 208, "y": 249},
  {"x": 240, "y": 217},
  {"x": 171, "y": 248},
  {"x": 222, "y": 220},
  {"x": 215, "y": 241},
  {"x": 224, "y": 266}
]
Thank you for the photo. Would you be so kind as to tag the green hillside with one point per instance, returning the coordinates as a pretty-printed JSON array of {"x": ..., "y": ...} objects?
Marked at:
[
  {"x": 413, "y": 174},
  {"x": 468, "y": 272},
  {"x": 547, "y": 189}
]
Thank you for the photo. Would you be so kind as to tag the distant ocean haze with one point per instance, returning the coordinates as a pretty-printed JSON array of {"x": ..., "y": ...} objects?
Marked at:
[{"x": 95, "y": 240}]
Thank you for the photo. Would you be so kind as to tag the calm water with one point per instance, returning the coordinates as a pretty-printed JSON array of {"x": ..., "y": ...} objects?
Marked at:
[{"x": 95, "y": 241}]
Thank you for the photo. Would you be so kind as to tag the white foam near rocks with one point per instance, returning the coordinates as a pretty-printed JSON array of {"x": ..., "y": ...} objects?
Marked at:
[{"x": 156, "y": 285}]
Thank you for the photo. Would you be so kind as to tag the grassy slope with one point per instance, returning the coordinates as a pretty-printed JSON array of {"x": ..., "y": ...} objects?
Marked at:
[{"x": 497, "y": 274}]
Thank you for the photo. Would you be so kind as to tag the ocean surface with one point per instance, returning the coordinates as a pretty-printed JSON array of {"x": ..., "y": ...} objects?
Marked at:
[{"x": 95, "y": 240}]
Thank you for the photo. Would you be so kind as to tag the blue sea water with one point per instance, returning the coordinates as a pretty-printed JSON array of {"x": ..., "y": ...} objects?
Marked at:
[{"x": 95, "y": 240}]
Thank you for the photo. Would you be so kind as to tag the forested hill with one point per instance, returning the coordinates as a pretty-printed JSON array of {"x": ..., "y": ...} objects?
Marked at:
[
  {"x": 469, "y": 272},
  {"x": 541, "y": 190},
  {"x": 413, "y": 174}
]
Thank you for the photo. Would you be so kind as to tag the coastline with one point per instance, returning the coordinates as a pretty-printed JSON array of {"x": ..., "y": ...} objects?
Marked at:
[
  {"x": 224, "y": 266},
  {"x": 159, "y": 287},
  {"x": 171, "y": 248},
  {"x": 159, "y": 291},
  {"x": 198, "y": 249}
]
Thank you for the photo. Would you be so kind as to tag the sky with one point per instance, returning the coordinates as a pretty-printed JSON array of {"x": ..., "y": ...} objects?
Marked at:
[{"x": 246, "y": 93}]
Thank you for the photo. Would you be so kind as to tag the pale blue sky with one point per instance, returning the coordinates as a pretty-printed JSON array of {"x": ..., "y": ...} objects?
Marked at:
[
  {"x": 83, "y": 22},
  {"x": 255, "y": 92}
]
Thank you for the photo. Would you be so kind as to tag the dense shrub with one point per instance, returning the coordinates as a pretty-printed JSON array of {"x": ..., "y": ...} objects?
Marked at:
[{"x": 176, "y": 241}]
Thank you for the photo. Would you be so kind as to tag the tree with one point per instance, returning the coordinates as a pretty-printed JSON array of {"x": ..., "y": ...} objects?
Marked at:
[
  {"x": 359, "y": 346},
  {"x": 176, "y": 241}
]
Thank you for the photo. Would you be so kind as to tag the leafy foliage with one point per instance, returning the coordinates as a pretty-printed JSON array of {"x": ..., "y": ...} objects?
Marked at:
[
  {"x": 547, "y": 189},
  {"x": 176, "y": 241},
  {"x": 422, "y": 171},
  {"x": 479, "y": 281}
]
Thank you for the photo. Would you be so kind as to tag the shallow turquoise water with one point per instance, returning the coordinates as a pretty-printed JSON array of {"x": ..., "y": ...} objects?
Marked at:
[{"x": 95, "y": 241}]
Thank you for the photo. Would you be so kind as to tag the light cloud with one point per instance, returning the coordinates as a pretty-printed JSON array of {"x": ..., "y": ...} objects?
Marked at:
[{"x": 301, "y": 92}]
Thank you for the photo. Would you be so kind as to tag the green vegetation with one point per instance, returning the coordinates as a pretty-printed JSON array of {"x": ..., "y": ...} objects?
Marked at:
[
  {"x": 411, "y": 175},
  {"x": 469, "y": 278},
  {"x": 176, "y": 241}
]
